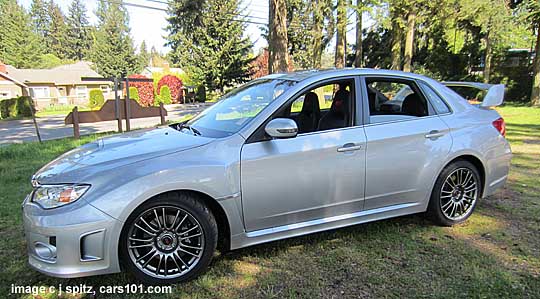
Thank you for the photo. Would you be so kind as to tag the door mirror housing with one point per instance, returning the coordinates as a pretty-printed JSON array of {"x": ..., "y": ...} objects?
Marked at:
[{"x": 281, "y": 128}]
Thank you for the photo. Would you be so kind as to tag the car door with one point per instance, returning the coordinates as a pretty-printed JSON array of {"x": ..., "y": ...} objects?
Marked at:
[
  {"x": 406, "y": 144},
  {"x": 311, "y": 176}
]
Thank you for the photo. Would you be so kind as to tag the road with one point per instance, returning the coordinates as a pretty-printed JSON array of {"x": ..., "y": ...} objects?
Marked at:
[{"x": 53, "y": 127}]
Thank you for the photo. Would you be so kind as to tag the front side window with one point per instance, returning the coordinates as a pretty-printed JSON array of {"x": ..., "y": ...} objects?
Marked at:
[
  {"x": 324, "y": 107},
  {"x": 235, "y": 109},
  {"x": 391, "y": 100}
]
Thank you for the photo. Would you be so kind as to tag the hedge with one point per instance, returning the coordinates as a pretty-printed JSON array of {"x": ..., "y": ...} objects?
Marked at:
[
  {"x": 134, "y": 94},
  {"x": 164, "y": 96},
  {"x": 96, "y": 98},
  {"x": 175, "y": 87},
  {"x": 145, "y": 90},
  {"x": 16, "y": 107}
]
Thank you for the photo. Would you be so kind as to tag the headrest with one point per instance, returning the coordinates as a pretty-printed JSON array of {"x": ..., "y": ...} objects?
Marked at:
[
  {"x": 311, "y": 103},
  {"x": 412, "y": 105},
  {"x": 340, "y": 104}
]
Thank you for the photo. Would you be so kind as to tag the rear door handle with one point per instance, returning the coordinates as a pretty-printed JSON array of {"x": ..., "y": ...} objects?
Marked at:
[
  {"x": 434, "y": 134},
  {"x": 349, "y": 147}
]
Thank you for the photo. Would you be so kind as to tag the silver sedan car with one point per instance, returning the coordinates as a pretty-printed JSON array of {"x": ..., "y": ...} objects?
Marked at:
[{"x": 281, "y": 156}]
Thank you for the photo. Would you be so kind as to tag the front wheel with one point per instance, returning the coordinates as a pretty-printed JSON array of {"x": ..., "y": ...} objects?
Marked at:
[
  {"x": 455, "y": 193},
  {"x": 169, "y": 239}
]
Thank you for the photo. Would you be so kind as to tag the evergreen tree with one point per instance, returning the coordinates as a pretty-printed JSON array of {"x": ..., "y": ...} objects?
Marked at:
[
  {"x": 144, "y": 56},
  {"x": 278, "y": 59},
  {"x": 78, "y": 31},
  {"x": 19, "y": 44},
  {"x": 214, "y": 52},
  {"x": 299, "y": 33},
  {"x": 112, "y": 49},
  {"x": 58, "y": 40},
  {"x": 341, "y": 25},
  {"x": 41, "y": 20}
]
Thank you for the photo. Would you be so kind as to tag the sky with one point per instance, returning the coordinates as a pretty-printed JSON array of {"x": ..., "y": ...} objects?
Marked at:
[{"x": 148, "y": 24}]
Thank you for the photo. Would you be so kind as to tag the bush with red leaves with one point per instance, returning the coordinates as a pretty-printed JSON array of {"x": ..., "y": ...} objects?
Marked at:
[
  {"x": 175, "y": 86},
  {"x": 145, "y": 89}
]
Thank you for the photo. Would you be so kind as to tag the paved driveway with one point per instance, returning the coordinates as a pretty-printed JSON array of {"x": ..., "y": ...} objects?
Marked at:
[{"x": 52, "y": 127}]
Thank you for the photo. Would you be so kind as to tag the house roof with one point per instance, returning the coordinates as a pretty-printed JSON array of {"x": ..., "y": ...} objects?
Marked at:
[
  {"x": 15, "y": 81},
  {"x": 149, "y": 70},
  {"x": 69, "y": 74}
]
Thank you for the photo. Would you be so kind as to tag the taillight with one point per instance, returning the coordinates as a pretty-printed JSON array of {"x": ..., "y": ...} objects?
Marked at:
[{"x": 500, "y": 125}]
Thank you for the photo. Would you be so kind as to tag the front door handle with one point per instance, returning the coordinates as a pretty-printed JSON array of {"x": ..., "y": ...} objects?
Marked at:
[
  {"x": 434, "y": 134},
  {"x": 349, "y": 147}
]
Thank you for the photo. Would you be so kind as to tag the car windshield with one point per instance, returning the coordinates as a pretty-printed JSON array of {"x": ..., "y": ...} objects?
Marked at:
[{"x": 235, "y": 109}]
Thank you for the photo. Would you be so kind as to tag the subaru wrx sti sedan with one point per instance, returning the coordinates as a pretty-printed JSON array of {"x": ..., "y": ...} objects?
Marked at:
[{"x": 281, "y": 156}]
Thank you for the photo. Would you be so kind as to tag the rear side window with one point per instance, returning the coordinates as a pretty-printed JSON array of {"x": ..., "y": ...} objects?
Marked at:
[{"x": 434, "y": 98}]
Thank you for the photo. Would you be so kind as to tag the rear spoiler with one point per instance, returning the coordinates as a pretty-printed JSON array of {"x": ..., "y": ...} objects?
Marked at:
[{"x": 494, "y": 95}]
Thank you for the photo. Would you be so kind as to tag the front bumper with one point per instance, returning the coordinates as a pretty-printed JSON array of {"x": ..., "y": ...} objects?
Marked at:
[{"x": 71, "y": 241}]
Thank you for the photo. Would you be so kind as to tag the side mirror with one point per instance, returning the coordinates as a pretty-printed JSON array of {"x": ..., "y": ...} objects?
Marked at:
[{"x": 281, "y": 128}]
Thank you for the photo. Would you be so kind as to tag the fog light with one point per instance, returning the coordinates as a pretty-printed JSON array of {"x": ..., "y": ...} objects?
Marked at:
[{"x": 45, "y": 251}]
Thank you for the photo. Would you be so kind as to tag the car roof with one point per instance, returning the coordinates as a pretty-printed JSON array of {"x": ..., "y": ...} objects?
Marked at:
[{"x": 330, "y": 73}]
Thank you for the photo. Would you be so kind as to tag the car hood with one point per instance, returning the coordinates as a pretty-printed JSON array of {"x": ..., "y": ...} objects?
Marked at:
[{"x": 115, "y": 151}]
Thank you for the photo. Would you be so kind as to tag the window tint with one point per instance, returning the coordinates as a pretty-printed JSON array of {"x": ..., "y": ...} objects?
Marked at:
[
  {"x": 435, "y": 99},
  {"x": 323, "y": 108},
  {"x": 391, "y": 100}
]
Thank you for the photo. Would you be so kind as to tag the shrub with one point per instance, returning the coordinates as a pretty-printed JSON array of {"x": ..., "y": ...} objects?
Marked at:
[
  {"x": 134, "y": 94},
  {"x": 24, "y": 107},
  {"x": 200, "y": 94},
  {"x": 175, "y": 87},
  {"x": 16, "y": 107},
  {"x": 164, "y": 96},
  {"x": 96, "y": 98},
  {"x": 145, "y": 90}
]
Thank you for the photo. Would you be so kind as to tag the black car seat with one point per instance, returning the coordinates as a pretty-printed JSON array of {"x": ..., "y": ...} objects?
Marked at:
[
  {"x": 308, "y": 118},
  {"x": 338, "y": 116},
  {"x": 412, "y": 105}
]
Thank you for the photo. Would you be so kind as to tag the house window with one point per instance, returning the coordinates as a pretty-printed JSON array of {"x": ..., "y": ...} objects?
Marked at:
[
  {"x": 81, "y": 91},
  {"x": 41, "y": 92},
  {"x": 5, "y": 94},
  {"x": 104, "y": 88}
]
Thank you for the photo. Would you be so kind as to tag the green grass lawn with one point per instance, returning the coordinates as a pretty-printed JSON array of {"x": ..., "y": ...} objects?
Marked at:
[
  {"x": 496, "y": 254},
  {"x": 59, "y": 110}
]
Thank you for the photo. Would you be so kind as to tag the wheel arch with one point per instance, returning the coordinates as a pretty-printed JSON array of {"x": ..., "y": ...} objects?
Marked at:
[
  {"x": 224, "y": 230},
  {"x": 477, "y": 162}
]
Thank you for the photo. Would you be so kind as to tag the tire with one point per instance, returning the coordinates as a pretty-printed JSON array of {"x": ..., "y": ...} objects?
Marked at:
[
  {"x": 455, "y": 194},
  {"x": 169, "y": 239}
]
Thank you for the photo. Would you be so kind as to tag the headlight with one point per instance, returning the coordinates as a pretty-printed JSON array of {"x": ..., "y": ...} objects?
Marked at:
[{"x": 52, "y": 196}]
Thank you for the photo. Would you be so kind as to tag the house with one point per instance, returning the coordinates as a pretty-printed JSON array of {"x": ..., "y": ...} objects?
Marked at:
[
  {"x": 150, "y": 70},
  {"x": 9, "y": 86},
  {"x": 61, "y": 85}
]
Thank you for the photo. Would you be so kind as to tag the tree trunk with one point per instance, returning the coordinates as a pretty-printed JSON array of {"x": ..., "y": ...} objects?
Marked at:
[
  {"x": 341, "y": 31},
  {"x": 396, "y": 45},
  {"x": 318, "y": 22},
  {"x": 277, "y": 37},
  {"x": 409, "y": 41},
  {"x": 535, "y": 92},
  {"x": 358, "y": 55},
  {"x": 487, "y": 62}
]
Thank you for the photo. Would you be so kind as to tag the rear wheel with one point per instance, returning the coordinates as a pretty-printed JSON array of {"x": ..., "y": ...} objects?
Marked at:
[
  {"x": 169, "y": 239},
  {"x": 455, "y": 194}
]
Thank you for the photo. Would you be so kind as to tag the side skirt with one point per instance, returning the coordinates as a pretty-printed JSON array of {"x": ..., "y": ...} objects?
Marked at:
[{"x": 323, "y": 224}]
